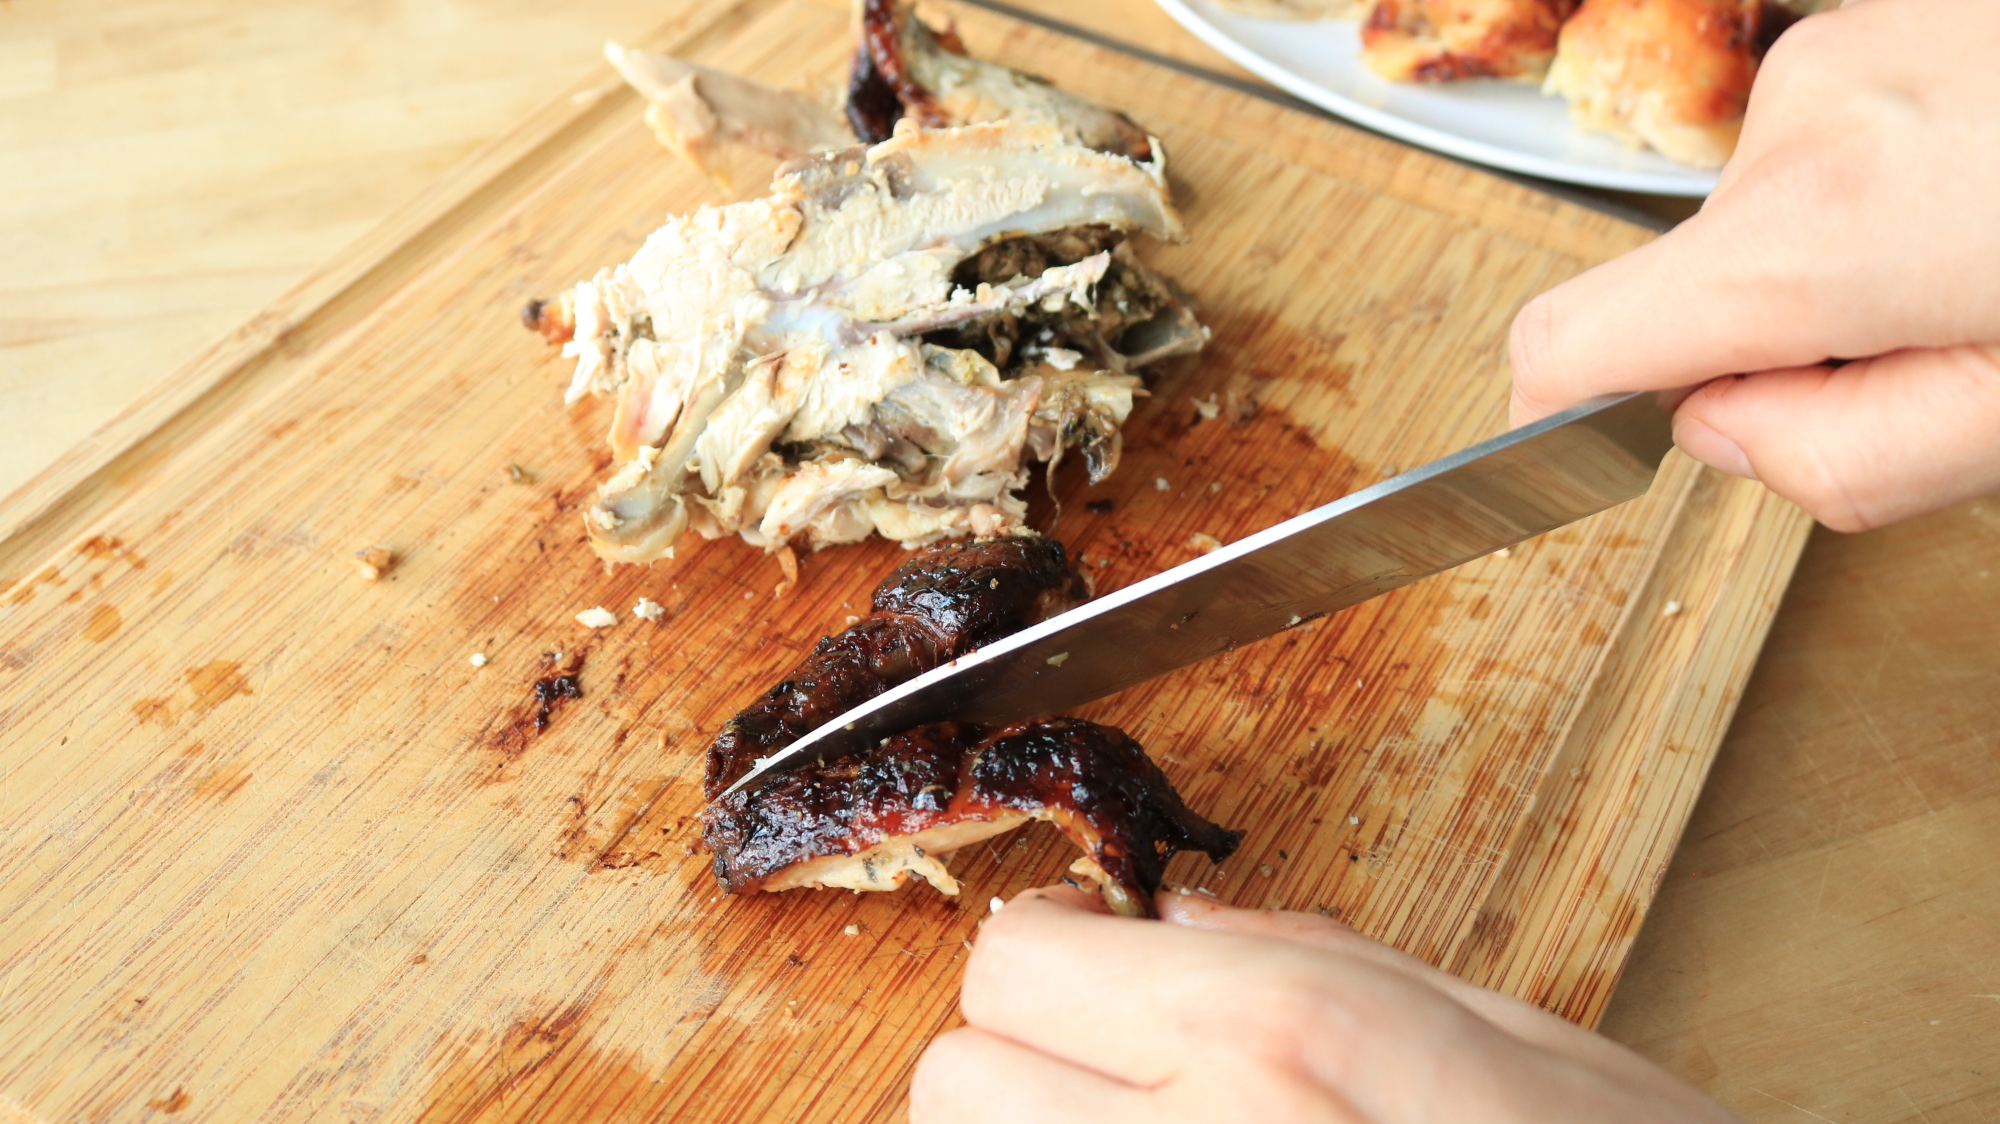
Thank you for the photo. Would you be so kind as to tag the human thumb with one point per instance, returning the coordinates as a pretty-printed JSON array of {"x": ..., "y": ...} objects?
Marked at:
[{"x": 1860, "y": 445}]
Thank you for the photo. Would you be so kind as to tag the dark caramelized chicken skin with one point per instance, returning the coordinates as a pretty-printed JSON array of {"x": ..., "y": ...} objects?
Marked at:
[
  {"x": 941, "y": 604},
  {"x": 868, "y": 819},
  {"x": 905, "y": 69}
]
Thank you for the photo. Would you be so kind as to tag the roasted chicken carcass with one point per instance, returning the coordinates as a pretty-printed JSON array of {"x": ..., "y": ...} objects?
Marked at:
[
  {"x": 885, "y": 342},
  {"x": 1448, "y": 40},
  {"x": 881, "y": 344},
  {"x": 870, "y": 819}
]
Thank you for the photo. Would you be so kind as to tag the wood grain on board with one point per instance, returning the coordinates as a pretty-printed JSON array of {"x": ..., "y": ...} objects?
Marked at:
[
  {"x": 172, "y": 166},
  {"x": 276, "y": 849}
]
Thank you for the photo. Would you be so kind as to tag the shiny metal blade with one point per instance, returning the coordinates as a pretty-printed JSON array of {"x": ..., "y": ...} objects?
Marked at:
[{"x": 1465, "y": 506}]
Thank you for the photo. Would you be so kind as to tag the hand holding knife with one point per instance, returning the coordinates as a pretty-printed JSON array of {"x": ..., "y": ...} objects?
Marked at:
[{"x": 1464, "y": 506}]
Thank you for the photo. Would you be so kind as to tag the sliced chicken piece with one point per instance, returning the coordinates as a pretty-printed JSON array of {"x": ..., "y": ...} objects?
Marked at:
[{"x": 872, "y": 819}]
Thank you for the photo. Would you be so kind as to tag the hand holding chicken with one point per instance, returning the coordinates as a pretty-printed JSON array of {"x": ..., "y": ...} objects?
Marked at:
[{"x": 1229, "y": 1014}]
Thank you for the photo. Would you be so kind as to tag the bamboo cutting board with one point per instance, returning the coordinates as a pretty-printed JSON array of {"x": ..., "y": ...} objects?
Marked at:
[{"x": 272, "y": 848}]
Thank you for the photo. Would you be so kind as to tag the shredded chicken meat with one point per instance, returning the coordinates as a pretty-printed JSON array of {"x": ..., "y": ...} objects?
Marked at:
[
  {"x": 869, "y": 819},
  {"x": 886, "y": 342}
]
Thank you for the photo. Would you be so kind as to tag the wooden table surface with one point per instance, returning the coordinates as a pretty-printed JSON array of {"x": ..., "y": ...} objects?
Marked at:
[{"x": 1827, "y": 944}]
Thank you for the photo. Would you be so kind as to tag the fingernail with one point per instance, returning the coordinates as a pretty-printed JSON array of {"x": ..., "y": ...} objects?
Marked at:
[{"x": 1710, "y": 447}]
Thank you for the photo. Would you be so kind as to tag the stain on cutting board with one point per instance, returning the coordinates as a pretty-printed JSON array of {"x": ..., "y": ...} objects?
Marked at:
[{"x": 104, "y": 623}]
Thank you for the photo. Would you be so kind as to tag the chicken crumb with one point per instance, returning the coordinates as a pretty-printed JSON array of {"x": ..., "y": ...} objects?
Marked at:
[
  {"x": 1160, "y": 484},
  {"x": 1672, "y": 608},
  {"x": 852, "y": 930},
  {"x": 598, "y": 617},
  {"x": 1238, "y": 408},
  {"x": 788, "y": 564},
  {"x": 1204, "y": 543},
  {"x": 374, "y": 562},
  {"x": 1058, "y": 659},
  {"x": 1207, "y": 407},
  {"x": 1267, "y": 870},
  {"x": 518, "y": 475},
  {"x": 1355, "y": 820},
  {"x": 479, "y": 659},
  {"x": 995, "y": 904},
  {"x": 1504, "y": 552},
  {"x": 1062, "y": 358},
  {"x": 648, "y": 609}
]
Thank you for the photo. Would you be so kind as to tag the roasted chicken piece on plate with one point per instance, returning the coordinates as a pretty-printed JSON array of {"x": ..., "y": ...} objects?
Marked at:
[
  {"x": 872, "y": 818},
  {"x": 1449, "y": 40},
  {"x": 1674, "y": 74}
]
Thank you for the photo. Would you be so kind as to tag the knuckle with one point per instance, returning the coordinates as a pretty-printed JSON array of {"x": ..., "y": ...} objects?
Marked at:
[
  {"x": 1818, "y": 483},
  {"x": 1283, "y": 1009},
  {"x": 1530, "y": 347},
  {"x": 1827, "y": 503}
]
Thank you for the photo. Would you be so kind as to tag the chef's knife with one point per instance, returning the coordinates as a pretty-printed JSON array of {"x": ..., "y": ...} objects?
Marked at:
[{"x": 1465, "y": 506}]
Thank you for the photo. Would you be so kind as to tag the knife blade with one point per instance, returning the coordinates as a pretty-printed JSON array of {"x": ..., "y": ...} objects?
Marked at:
[{"x": 1464, "y": 506}]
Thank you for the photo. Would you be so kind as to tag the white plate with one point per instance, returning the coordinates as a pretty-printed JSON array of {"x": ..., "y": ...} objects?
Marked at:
[{"x": 1505, "y": 124}]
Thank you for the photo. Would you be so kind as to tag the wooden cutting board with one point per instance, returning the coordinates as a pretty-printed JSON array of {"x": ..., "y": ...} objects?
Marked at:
[{"x": 272, "y": 848}]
